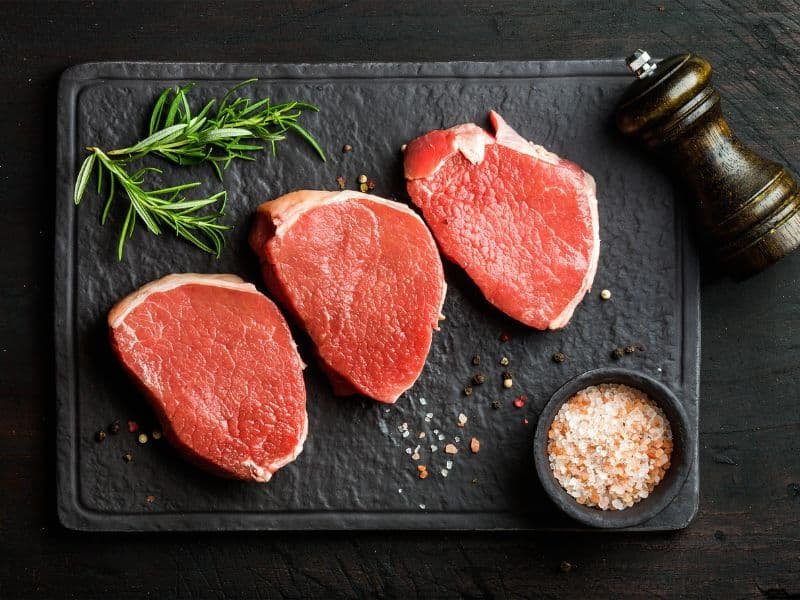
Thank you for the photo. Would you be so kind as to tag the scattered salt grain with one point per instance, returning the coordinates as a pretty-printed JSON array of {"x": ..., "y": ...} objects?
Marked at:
[
  {"x": 609, "y": 446},
  {"x": 449, "y": 464},
  {"x": 422, "y": 401},
  {"x": 422, "y": 506},
  {"x": 444, "y": 472},
  {"x": 441, "y": 437},
  {"x": 457, "y": 439},
  {"x": 462, "y": 419},
  {"x": 434, "y": 448},
  {"x": 409, "y": 451},
  {"x": 406, "y": 434},
  {"x": 399, "y": 490}
]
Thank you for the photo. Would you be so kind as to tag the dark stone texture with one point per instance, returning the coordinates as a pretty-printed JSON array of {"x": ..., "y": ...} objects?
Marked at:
[
  {"x": 355, "y": 459},
  {"x": 749, "y": 368}
]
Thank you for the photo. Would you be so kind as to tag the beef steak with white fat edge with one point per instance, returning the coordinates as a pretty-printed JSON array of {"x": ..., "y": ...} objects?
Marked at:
[
  {"x": 219, "y": 366},
  {"x": 362, "y": 276},
  {"x": 521, "y": 221}
]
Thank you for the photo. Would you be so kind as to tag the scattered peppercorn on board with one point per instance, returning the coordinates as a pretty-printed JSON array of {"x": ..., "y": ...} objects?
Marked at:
[{"x": 440, "y": 458}]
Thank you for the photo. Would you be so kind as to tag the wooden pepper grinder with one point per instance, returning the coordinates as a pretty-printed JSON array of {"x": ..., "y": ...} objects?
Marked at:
[{"x": 748, "y": 207}]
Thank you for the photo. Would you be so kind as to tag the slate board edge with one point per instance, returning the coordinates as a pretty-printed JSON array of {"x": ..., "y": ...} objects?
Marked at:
[{"x": 73, "y": 515}]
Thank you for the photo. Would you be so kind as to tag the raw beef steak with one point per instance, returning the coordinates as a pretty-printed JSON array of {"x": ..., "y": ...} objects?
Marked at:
[
  {"x": 362, "y": 276},
  {"x": 521, "y": 221},
  {"x": 219, "y": 366}
]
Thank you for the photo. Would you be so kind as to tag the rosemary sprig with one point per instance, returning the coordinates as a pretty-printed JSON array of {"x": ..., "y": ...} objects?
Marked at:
[
  {"x": 164, "y": 207},
  {"x": 185, "y": 139},
  {"x": 178, "y": 136}
]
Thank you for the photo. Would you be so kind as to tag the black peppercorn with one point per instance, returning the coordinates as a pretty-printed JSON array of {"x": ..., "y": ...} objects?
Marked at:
[
  {"x": 559, "y": 357},
  {"x": 630, "y": 349},
  {"x": 495, "y": 404},
  {"x": 127, "y": 457},
  {"x": 100, "y": 436},
  {"x": 114, "y": 428},
  {"x": 479, "y": 379},
  {"x": 476, "y": 360},
  {"x": 617, "y": 353},
  {"x": 508, "y": 374},
  {"x": 468, "y": 391}
]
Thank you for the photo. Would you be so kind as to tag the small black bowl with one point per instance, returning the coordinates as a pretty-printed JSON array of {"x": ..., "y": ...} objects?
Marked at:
[{"x": 666, "y": 490}]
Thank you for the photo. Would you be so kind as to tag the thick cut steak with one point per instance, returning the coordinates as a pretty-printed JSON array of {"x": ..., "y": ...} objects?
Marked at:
[
  {"x": 521, "y": 221},
  {"x": 218, "y": 363},
  {"x": 362, "y": 276}
]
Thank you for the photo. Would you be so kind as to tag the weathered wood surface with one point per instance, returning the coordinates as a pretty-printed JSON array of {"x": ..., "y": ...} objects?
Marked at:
[{"x": 745, "y": 541}]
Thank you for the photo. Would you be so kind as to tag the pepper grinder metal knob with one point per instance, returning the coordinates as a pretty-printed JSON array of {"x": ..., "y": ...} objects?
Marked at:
[{"x": 747, "y": 207}]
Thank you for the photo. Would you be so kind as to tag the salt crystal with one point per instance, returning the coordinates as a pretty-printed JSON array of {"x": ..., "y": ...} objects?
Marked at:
[
  {"x": 399, "y": 490},
  {"x": 434, "y": 448},
  {"x": 422, "y": 401},
  {"x": 457, "y": 439},
  {"x": 444, "y": 472},
  {"x": 428, "y": 415},
  {"x": 422, "y": 506},
  {"x": 409, "y": 450},
  {"x": 449, "y": 464},
  {"x": 441, "y": 437},
  {"x": 608, "y": 446},
  {"x": 406, "y": 434}
]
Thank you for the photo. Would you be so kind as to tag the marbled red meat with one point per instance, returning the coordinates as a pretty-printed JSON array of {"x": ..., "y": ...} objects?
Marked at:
[
  {"x": 362, "y": 276},
  {"x": 521, "y": 221},
  {"x": 217, "y": 361}
]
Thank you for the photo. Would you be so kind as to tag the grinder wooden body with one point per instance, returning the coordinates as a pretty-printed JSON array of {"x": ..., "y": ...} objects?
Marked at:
[{"x": 748, "y": 207}]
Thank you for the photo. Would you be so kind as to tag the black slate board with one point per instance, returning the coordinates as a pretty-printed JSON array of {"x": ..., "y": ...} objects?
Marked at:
[{"x": 354, "y": 472}]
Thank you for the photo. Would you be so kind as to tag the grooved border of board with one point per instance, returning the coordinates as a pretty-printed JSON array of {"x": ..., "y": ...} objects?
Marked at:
[{"x": 74, "y": 515}]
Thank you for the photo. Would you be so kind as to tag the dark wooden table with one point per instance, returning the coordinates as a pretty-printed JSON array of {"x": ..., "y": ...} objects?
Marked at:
[{"x": 746, "y": 539}]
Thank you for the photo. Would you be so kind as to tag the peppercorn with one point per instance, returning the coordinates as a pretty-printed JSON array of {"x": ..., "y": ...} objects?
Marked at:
[
  {"x": 363, "y": 187},
  {"x": 362, "y": 178},
  {"x": 142, "y": 438},
  {"x": 127, "y": 457},
  {"x": 156, "y": 434},
  {"x": 559, "y": 357},
  {"x": 468, "y": 391},
  {"x": 496, "y": 404},
  {"x": 403, "y": 147},
  {"x": 371, "y": 185},
  {"x": 565, "y": 567},
  {"x": 504, "y": 361},
  {"x": 340, "y": 182},
  {"x": 100, "y": 436},
  {"x": 476, "y": 360},
  {"x": 347, "y": 148},
  {"x": 479, "y": 379},
  {"x": 504, "y": 337},
  {"x": 508, "y": 374},
  {"x": 630, "y": 349},
  {"x": 617, "y": 353},
  {"x": 113, "y": 429},
  {"x": 641, "y": 347}
]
